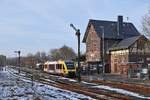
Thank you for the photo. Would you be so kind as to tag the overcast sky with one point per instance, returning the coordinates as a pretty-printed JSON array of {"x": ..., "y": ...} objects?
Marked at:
[{"x": 41, "y": 25}]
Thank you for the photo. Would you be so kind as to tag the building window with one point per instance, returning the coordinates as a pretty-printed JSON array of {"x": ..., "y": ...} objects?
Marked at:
[{"x": 140, "y": 60}]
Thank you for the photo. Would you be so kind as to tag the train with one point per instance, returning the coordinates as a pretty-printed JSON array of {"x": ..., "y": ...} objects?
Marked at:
[{"x": 63, "y": 68}]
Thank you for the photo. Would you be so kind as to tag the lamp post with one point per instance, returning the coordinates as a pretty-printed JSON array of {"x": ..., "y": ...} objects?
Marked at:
[
  {"x": 18, "y": 52},
  {"x": 78, "y": 36},
  {"x": 103, "y": 49}
]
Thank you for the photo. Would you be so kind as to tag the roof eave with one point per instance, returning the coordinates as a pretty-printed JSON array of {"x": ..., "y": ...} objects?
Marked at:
[
  {"x": 85, "y": 34},
  {"x": 116, "y": 49}
]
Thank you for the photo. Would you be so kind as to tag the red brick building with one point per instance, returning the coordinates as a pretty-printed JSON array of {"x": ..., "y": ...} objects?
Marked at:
[
  {"x": 130, "y": 54},
  {"x": 112, "y": 32}
]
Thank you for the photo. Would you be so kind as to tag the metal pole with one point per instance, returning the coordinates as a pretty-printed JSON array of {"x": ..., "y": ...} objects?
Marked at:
[
  {"x": 19, "y": 59},
  {"x": 32, "y": 76},
  {"x": 18, "y": 52},
  {"x": 103, "y": 52},
  {"x": 78, "y": 35},
  {"x": 103, "y": 49},
  {"x": 79, "y": 67}
]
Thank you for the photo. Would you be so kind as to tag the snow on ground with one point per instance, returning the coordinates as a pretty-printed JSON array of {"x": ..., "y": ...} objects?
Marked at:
[
  {"x": 12, "y": 87},
  {"x": 23, "y": 89},
  {"x": 64, "y": 78},
  {"x": 122, "y": 91}
]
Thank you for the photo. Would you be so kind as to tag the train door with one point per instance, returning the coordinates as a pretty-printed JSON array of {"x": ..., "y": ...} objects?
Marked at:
[
  {"x": 64, "y": 69},
  {"x": 58, "y": 68}
]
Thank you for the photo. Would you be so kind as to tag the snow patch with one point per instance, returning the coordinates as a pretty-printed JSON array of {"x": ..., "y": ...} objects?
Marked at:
[
  {"x": 16, "y": 87},
  {"x": 71, "y": 80},
  {"x": 89, "y": 83},
  {"x": 122, "y": 91}
]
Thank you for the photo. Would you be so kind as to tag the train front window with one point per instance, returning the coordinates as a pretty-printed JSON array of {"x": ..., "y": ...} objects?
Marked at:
[{"x": 70, "y": 65}]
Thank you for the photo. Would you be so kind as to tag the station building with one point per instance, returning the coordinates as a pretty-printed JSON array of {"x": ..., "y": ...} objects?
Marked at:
[
  {"x": 113, "y": 42},
  {"x": 130, "y": 56}
]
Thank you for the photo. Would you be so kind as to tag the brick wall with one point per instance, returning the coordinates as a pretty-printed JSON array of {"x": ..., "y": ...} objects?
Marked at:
[
  {"x": 118, "y": 58},
  {"x": 92, "y": 46}
]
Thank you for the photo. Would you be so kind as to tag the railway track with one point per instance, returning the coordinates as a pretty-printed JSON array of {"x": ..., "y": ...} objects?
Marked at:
[
  {"x": 59, "y": 82},
  {"x": 145, "y": 90}
]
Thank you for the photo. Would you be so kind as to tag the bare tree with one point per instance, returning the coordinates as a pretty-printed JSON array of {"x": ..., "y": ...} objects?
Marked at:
[
  {"x": 67, "y": 53},
  {"x": 12, "y": 61},
  {"x": 43, "y": 56},
  {"x": 29, "y": 60},
  {"x": 55, "y": 54},
  {"x": 146, "y": 24},
  {"x": 40, "y": 57},
  {"x": 64, "y": 53}
]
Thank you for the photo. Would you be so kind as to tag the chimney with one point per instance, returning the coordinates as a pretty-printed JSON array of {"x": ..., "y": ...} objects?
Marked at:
[{"x": 120, "y": 25}]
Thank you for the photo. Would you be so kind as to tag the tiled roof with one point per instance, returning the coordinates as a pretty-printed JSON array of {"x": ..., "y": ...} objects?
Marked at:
[
  {"x": 125, "y": 43},
  {"x": 110, "y": 29}
]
